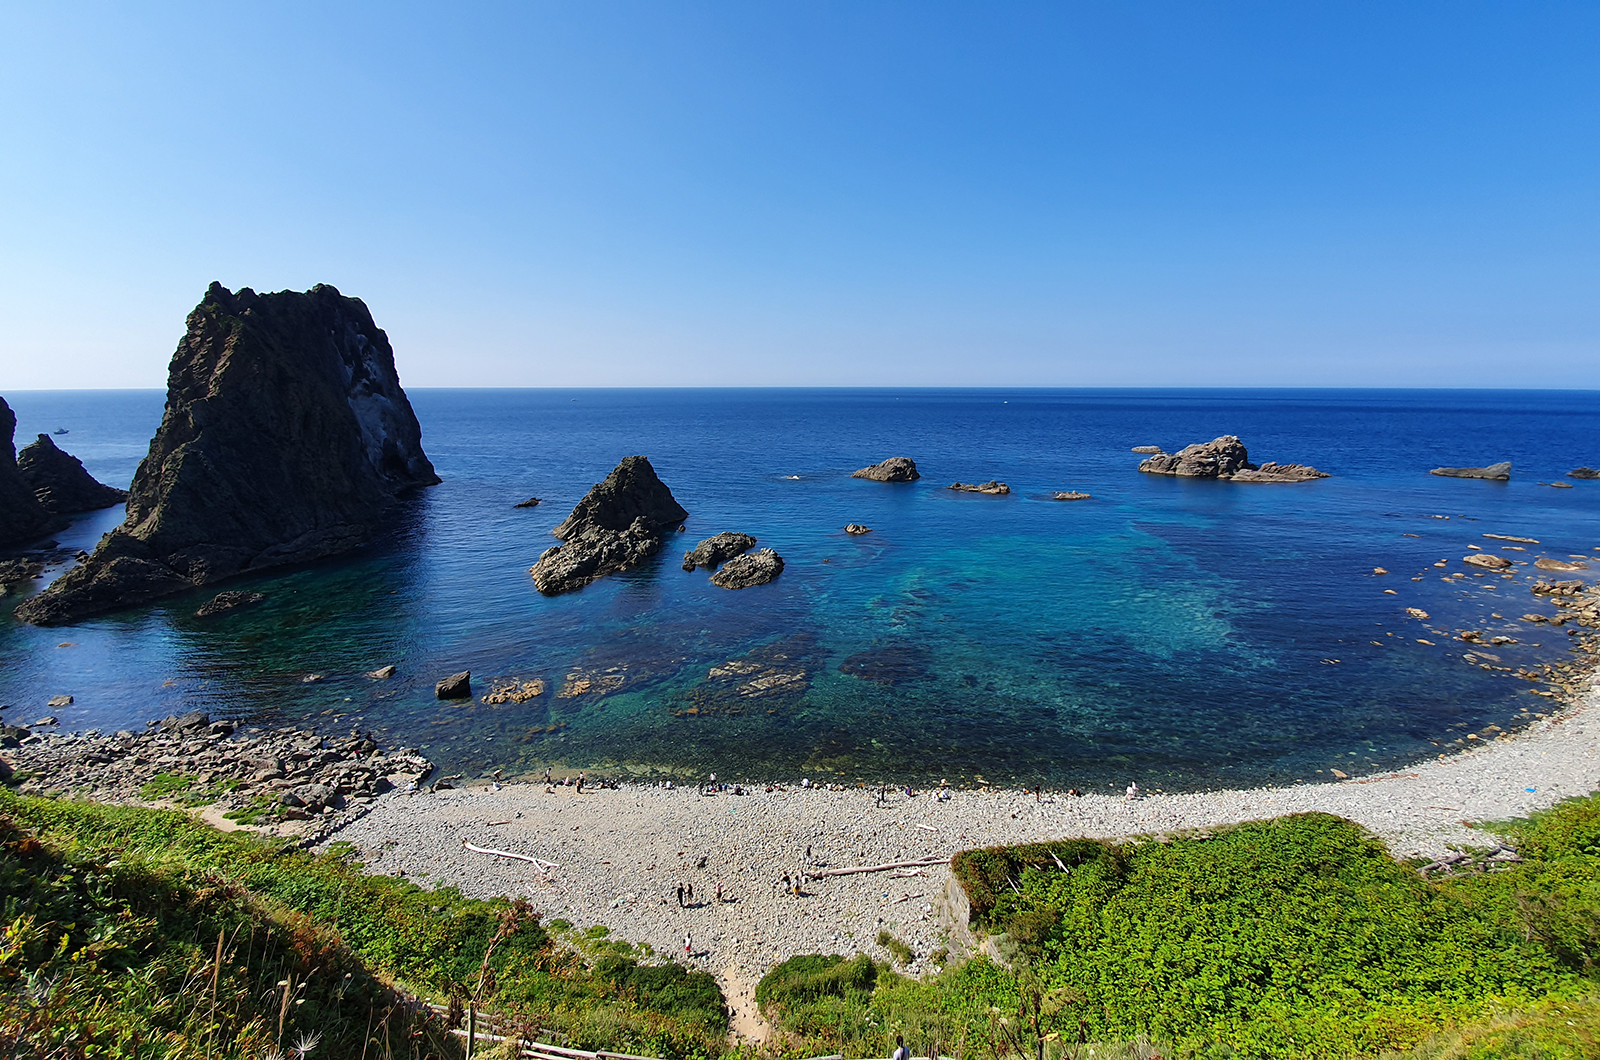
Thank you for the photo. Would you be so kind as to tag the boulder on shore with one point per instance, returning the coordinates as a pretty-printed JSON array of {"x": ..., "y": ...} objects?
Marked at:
[
  {"x": 715, "y": 551},
  {"x": 1583, "y": 472},
  {"x": 286, "y": 438},
  {"x": 1225, "y": 458},
  {"x": 752, "y": 568},
  {"x": 894, "y": 469},
  {"x": 620, "y": 523},
  {"x": 60, "y": 481},
  {"x": 456, "y": 686},
  {"x": 22, "y": 517},
  {"x": 1496, "y": 472},
  {"x": 993, "y": 488}
]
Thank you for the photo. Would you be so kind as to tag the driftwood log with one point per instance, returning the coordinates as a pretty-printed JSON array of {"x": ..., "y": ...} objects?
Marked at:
[{"x": 876, "y": 868}]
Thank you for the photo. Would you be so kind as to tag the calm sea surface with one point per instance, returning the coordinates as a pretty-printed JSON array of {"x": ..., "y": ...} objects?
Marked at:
[{"x": 1177, "y": 633}]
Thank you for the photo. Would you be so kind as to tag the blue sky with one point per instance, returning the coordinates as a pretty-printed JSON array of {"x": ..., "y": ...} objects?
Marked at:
[{"x": 593, "y": 193}]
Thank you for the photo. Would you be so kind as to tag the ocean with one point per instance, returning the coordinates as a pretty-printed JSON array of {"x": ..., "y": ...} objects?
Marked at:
[{"x": 1178, "y": 633}]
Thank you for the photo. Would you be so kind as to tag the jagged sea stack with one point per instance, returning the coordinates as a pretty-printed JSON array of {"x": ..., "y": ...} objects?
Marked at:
[
  {"x": 620, "y": 523},
  {"x": 286, "y": 438},
  {"x": 60, "y": 481},
  {"x": 22, "y": 517}
]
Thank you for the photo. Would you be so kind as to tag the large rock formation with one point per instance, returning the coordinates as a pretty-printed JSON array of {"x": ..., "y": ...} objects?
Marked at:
[
  {"x": 22, "y": 517},
  {"x": 60, "y": 482},
  {"x": 1497, "y": 472},
  {"x": 1225, "y": 458},
  {"x": 286, "y": 438},
  {"x": 894, "y": 469},
  {"x": 715, "y": 551},
  {"x": 619, "y": 524}
]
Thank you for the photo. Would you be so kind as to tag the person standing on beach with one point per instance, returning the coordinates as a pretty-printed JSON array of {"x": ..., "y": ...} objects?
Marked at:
[
  {"x": 719, "y": 892},
  {"x": 786, "y": 885},
  {"x": 689, "y": 893},
  {"x": 688, "y": 946},
  {"x": 680, "y": 896}
]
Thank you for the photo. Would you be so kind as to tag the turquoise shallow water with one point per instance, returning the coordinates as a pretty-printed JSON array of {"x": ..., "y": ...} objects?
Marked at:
[{"x": 1175, "y": 632}]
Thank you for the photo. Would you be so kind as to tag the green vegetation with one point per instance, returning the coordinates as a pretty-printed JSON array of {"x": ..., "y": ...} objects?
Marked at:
[
  {"x": 111, "y": 924},
  {"x": 1298, "y": 937},
  {"x": 902, "y": 953}
]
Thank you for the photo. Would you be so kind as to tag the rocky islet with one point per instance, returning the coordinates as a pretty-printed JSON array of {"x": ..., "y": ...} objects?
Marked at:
[
  {"x": 60, "y": 482},
  {"x": 286, "y": 438},
  {"x": 717, "y": 550},
  {"x": 894, "y": 469},
  {"x": 1500, "y": 472},
  {"x": 621, "y": 522},
  {"x": 22, "y": 517},
  {"x": 1224, "y": 458}
]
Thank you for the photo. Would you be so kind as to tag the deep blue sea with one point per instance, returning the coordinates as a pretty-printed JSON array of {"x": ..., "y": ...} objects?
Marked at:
[{"x": 1178, "y": 633}]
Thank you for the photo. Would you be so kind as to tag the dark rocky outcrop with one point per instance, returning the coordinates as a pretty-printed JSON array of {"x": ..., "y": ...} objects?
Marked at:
[
  {"x": 715, "y": 551},
  {"x": 228, "y": 601},
  {"x": 286, "y": 438},
  {"x": 16, "y": 573},
  {"x": 894, "y": 469},
  {"x": 60, "y": 482},
  {"x": 531, "y": 502},
  {"x": 1583, "y": 472},
  {"x": 1497, "y": 472},
  {"x": 1225, "y": 458},
  {"x": 456, "y": 686},
  {"x": 752, "y": 568},
  {"x": 994, "y": 489},
  {"x": 22, "y": 517},
  {"x": 619, "y": 524}
]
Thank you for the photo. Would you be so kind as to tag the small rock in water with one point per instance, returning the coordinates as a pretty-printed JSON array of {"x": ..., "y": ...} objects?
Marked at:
[
  {"x": 1071, "y": 495},
  {"x": 1583, "y": 472},
  {"x": 856, "y": 529},
  {"x": 531, "y": 502},
  {"x": 991, "y": 487},
  {"x": 1497, "y": 472},
  {"x": 59, "y": 701},
  {"x": 228, "y": 601},
  {"x": 717, "y": 550},
  {"x": 1545, "y": 563},
  {"x": 382, "y": 673},
  {"x": 1147, "y": 449},
  {"x": 310, "y": 679},
  {"x": 752, "y": 568},
  {"x": 456, "y": 686},
  {"x": 1487, "y": 560},
  {"x": 46, "y": 721},
  {"x": 1417, "y": 612},
  {"x": 894, "y": 469}
]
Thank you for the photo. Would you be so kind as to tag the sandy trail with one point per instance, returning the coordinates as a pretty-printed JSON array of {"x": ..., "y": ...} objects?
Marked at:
[{"x": 623, "y": 853}]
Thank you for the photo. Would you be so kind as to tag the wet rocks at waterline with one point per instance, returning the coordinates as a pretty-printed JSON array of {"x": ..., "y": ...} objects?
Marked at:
[
  {"x": 715, "y": 551},
  {"x": 752, "y": 568}
]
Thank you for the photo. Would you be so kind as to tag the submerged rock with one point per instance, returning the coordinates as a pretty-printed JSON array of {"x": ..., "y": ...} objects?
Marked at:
[
  {"x": 894, "y": 469},
  {"x": 382, "y": 673},
  {"x": 752, "y": 568},
  {"x": 228, "y": 601},
  {"x": 715, "y": 551},
  {"x": 1498, "y": 472},
  {"x": 22, "y": 517},
  {"x": 892, "y": 664},
  {"x": 60, "y": 482},
  {"x": 1225, "y": 458},
  {"x": 286, "y": 438},
  {"x": 620, "y": 523},
  {"x": 1583, "y": 472},
  {"x": 993, "y": 488}
]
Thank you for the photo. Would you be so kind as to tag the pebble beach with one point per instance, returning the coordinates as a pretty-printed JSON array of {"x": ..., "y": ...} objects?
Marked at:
[{"x": 616, "y": 857}]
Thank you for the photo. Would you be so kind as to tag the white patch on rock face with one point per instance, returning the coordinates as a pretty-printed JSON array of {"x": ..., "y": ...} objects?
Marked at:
[{"x": 374, "y": 408}]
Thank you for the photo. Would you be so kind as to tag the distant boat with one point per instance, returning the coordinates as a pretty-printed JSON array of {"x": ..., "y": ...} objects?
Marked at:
[{"x": 62, "y": 430}]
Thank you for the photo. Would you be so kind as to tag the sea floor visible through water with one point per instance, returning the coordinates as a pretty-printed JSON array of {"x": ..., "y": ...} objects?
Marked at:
[{"x": 1184, "y": 634}]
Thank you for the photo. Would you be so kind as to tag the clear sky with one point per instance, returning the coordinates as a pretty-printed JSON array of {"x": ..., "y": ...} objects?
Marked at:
[{"x": 755, "y": 193}]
